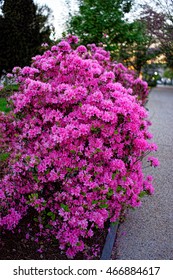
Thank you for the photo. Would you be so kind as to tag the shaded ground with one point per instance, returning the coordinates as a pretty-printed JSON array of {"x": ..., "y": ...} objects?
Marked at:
[
  {"x": 14, "y": 246},
  {"x": 147, "y": 233}
]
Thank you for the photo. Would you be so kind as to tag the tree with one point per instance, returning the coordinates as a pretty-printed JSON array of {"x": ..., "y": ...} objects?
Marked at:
[
  {"x": 168, "y": 73},
  {"x": 104, "y": 21},
  {"x": 159, "y": 19},
  {"x": 137, "y": 50},
  {"x": 23, "y": 27},
  {"x": 100, "y": 21}
]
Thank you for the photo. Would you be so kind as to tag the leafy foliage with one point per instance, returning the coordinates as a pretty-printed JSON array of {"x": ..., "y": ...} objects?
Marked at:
[{"x": 104, "y": 21}]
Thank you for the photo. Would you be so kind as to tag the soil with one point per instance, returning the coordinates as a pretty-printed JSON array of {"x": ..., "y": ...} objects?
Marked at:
[{"x": 15, "y": 246}]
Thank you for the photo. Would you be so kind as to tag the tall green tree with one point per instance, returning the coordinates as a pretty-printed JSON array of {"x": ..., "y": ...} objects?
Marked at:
[
  {"x": 23, "y": 27},
  {"x": 106, "y": 21},
  {"x": 100, "y": 21}
]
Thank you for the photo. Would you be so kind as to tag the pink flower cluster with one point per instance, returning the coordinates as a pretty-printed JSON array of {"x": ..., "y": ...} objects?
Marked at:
[
  {"x": 127, "y": 78},
  {"x": 79, "y": 137}
]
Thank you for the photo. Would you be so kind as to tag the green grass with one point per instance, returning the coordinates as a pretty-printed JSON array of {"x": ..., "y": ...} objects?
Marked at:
[{"x": 3, "y": 105}]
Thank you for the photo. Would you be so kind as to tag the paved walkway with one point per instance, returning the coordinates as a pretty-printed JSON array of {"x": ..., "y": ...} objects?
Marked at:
[{"x": 147, "y": 233}]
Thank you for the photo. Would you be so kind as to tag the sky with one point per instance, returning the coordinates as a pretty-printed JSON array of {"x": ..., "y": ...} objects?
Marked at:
[{"x": 60, "y": 12}]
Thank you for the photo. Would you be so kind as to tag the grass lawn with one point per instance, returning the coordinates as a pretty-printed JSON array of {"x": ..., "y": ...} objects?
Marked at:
[
  {"x": 3, "y": 105},
  {"x": 6, "y": 92},
  {"x": 3, "y": 108}
]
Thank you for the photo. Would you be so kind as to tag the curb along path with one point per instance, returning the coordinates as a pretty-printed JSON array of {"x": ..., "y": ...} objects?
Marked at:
[{"x": 147, "y": 232}]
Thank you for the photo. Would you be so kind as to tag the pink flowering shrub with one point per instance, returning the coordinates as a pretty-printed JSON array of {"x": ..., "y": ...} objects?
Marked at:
[
  {"x": 77, "y": 147},
  {"x": 127, "y": 78}
]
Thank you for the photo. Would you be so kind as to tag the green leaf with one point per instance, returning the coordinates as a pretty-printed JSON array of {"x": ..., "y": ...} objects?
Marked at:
[
  {"x": 69, "y": 169},
  {"x": 103, "y": 200},
  {"x": 103, "y": 206},
  {"x": 48, "y": 226},
  {"x": 65, "y": 207},
  {"x": 27, "y": 158},
  {"x": 120, "y": 188},
  {"x": 35, "y": 177},
  {"x": 116, "y": 132},
  {"x": 95, "y": 129},
  {"x": 94, "y": 201},
  {"x": 50, "y": 214},
  {"x": 72, "y": 151},
  {"x": 32, "y": 196},
  {"x": 142, "y": 194},
  {"x": 83, "y": 193},
  {"x": 53, "y": 217},
  {"x": 110, "y": 193},
  {"x": 96, "y": 189}
]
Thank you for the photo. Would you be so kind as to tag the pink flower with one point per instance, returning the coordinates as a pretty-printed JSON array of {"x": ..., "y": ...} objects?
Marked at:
[
  {"x": 27, "y": 236},
  {"x": 81, "y": 49},
  {"x": 71, "y": 39},
  {"x": 40, "y": 250},
  {"x": 9, "y": 75},
  {"x": 70, "y": 252},
  {"x": 64, "y": 46},
  {"x": 154, "y": 161}
]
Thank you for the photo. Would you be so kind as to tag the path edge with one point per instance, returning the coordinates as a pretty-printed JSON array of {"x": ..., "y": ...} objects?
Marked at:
[{"x": 109, "y": 243}]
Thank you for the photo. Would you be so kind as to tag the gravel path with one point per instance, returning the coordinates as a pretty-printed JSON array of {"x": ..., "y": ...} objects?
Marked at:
[{"x": 147, "y": 233}]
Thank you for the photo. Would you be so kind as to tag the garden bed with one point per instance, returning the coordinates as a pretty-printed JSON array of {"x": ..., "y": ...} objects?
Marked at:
[{"x": 15, "y": 246}]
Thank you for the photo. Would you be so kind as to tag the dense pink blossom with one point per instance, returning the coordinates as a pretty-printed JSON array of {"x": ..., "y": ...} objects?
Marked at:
[{"x": 80, "y": 132}]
